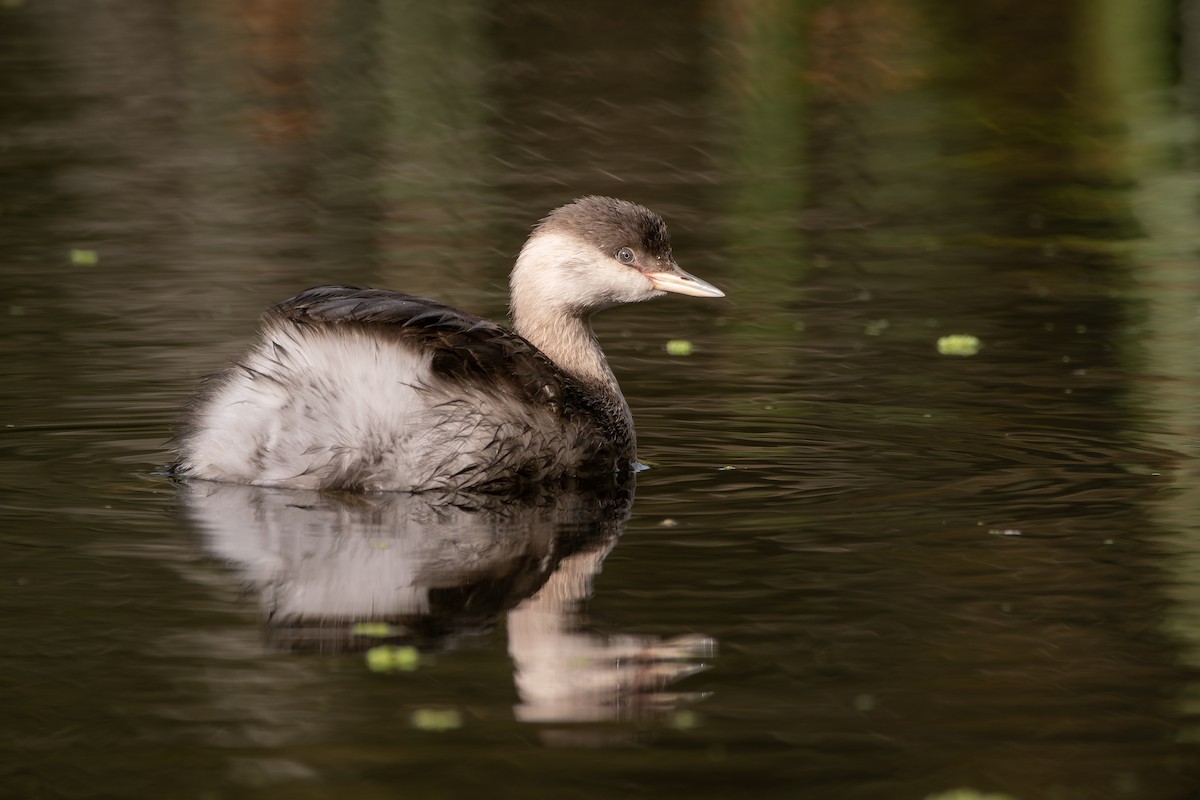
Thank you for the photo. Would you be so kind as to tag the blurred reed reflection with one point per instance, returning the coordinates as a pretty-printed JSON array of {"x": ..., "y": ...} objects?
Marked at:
[{"x": 438, "y": 568}]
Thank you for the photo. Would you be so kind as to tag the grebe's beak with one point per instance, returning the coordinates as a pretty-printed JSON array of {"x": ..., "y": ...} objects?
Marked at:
[{"x": 677, "y": 281}]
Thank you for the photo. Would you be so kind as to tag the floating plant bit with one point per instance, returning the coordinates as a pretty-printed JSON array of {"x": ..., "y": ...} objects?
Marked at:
[
  {"x": 375, "y": 630},
  {"x": 679, "y": 347},
  {"x": 393, "y": 658},
  {"x": 959, "y": 344},
  {"x": 84, "y": 258},
  {"x": 436, "y": 719}
]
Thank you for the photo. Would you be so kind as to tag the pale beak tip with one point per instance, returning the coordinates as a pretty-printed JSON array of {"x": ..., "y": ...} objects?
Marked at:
[{"x": 680, "y": 282}]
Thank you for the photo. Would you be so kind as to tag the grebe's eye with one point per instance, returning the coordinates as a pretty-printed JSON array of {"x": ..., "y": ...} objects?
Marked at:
[{"x": 625, "y": 255}]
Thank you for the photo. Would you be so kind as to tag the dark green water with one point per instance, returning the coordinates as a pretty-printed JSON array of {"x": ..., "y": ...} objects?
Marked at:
[{"x": 905, "y": 572}]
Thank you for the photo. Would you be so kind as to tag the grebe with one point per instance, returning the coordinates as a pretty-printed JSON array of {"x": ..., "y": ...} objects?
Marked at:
[{"x": 372, "y": 390}]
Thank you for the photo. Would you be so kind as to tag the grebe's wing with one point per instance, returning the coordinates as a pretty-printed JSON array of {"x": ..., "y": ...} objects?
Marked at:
[{"x": 463, "y": 348}]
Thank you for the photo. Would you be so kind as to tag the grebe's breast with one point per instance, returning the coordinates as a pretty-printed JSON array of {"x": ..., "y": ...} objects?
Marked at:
[{"x": 366, "y": 389}]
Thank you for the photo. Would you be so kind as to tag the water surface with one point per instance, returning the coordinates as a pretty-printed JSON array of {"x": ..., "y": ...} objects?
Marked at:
[{"x": 902, "y": 572}]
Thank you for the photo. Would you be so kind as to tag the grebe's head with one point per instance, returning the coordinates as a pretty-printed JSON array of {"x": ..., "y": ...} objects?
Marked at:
[{"x": 595, "y": 253}]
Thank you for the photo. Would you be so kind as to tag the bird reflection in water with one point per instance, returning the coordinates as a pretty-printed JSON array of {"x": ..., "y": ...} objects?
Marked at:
[{"x": 441, "y": 567}]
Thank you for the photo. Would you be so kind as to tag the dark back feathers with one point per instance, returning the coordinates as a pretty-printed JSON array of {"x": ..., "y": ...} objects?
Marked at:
[{"x": 465, "y": 349}]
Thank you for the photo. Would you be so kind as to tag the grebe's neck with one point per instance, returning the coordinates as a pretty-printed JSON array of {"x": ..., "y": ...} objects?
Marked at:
[
  {"x": 569, "y": 342},
  {"x": 552, "y": 298}
]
